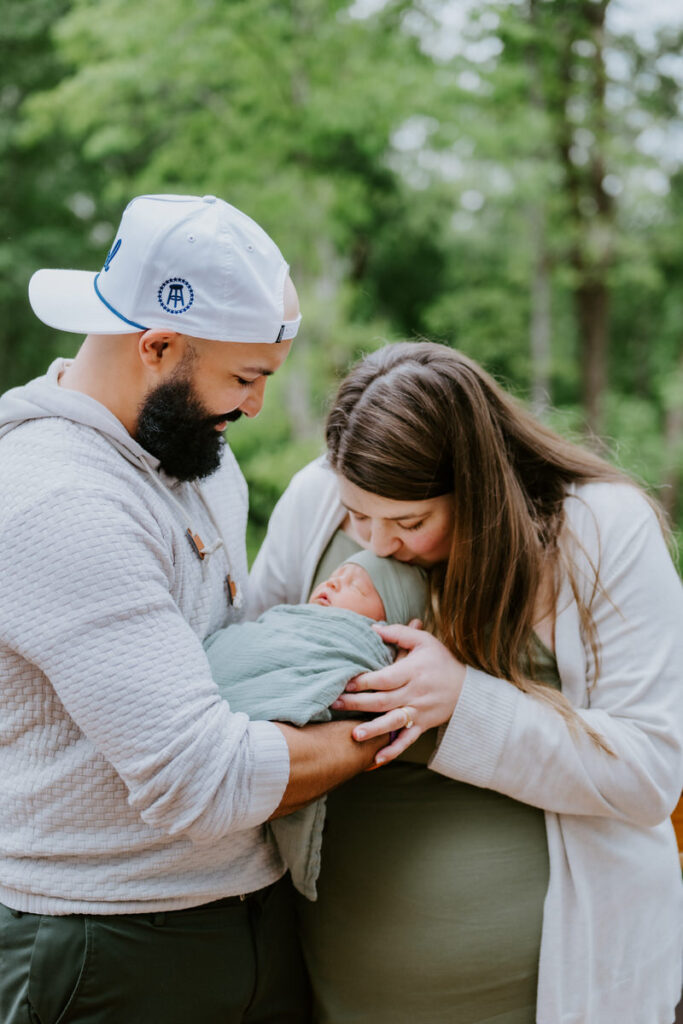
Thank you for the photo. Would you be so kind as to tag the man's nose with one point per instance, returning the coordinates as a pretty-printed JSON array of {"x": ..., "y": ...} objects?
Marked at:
[{"x": 252, "y": 404}]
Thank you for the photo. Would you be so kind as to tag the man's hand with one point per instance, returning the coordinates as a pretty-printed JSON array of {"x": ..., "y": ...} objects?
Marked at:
[{"x": 320, "y": 758}]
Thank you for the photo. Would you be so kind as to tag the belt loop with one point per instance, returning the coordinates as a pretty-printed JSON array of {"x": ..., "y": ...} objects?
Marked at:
[{"x": 159, "y": 919}]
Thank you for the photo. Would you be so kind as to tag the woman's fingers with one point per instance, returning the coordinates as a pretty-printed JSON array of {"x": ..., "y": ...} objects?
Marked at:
[
  {"x": 401, "y": 719},
  {"x": 429, "y": 678},
  {"x": 404, "y": 739},
  {"x": 407, "y": 637},
  {"x": 388, "y": 678},
  {"x": 376, "y": 701}
]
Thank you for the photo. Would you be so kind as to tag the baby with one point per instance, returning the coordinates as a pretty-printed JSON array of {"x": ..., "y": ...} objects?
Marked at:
[
  {"x": 353, "y": 586},
  {"x": 295, "y": 660}
]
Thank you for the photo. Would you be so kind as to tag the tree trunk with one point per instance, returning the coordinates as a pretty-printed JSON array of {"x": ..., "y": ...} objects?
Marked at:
[
  {"x": 672, "y": 498},
  {"x": 540, "y": 326},
  {"x": 592, "y": 313},
  {"x": 540, "y": 319},
  {"x": 591, "y": 210}
]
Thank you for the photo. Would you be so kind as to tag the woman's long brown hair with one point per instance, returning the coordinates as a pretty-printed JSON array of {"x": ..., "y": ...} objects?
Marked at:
[{"x": 417, "y": 420}]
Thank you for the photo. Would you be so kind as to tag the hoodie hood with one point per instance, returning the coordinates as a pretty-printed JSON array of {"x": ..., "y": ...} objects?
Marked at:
[{"x": 42, "y": 398}]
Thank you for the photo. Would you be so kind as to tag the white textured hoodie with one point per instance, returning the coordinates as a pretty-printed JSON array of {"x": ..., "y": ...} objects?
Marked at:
[{"x": 127, "y": 783}]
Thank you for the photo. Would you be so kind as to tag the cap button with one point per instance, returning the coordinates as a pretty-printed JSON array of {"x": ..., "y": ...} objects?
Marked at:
[{"x": 209, "y": 199}]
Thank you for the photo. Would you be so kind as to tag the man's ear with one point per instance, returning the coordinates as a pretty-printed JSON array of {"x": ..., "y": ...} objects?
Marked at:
[{"x": 160, "y": 349}]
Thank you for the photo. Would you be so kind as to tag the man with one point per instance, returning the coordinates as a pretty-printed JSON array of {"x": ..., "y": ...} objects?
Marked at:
[{"x": 137, "y": 880}]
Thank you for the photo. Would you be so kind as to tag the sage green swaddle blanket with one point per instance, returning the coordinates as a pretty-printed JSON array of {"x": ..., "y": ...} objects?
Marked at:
[{"x": 288, "y": 666}]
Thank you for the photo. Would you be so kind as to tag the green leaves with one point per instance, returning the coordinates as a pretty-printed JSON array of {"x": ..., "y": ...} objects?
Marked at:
[{"x": 465, "y": 179}]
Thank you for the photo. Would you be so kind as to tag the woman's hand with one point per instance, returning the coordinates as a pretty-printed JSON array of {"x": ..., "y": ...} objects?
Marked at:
[{"x": 419, "y": 691}]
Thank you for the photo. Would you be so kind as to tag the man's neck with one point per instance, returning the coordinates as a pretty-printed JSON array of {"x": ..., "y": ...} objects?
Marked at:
[{"x": 104, "y": 369}]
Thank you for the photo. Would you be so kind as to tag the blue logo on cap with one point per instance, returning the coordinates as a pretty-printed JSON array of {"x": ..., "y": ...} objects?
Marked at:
[
  {"x": 110, "y": 255},
  {"x": 176, "y": 295}
]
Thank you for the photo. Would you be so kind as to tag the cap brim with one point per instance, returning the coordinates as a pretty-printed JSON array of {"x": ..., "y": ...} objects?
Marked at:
[{"x": 67, "y": 301}]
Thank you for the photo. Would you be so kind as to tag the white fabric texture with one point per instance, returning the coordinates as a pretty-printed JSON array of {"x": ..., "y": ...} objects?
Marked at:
[
  {"x": 612, "y": 930},
  {"x": 128, "y": 784}
]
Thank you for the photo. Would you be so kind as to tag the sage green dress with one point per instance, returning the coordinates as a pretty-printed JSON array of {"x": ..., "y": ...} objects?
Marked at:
[{"x": 430, "y": 897}]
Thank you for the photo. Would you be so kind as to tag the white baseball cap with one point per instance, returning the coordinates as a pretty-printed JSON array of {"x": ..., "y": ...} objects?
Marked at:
[{"x": 195, "y": 265}]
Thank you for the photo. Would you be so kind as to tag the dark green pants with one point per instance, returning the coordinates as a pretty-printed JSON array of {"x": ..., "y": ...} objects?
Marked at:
[{"x": 230, "y": 962}]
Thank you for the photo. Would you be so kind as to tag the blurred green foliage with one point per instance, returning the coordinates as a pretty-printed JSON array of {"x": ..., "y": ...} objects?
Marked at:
[{"x": 512, "y": 187}]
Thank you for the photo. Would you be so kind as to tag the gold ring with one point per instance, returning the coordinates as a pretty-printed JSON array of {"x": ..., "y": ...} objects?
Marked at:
[{"x": 409, "y": 718}]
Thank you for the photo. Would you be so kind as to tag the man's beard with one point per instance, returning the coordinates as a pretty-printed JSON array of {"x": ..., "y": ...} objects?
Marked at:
[{"x": 174, "y": 425}]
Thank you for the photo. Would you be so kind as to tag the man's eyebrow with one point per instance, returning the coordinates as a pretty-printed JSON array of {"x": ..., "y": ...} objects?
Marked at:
[
  {"x": 406, "y": 515},
  {"x": 258, "y": 370}
]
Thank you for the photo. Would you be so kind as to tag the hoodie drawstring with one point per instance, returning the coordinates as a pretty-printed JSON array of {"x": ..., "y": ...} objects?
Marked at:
[{"x": 200, "y": 549}]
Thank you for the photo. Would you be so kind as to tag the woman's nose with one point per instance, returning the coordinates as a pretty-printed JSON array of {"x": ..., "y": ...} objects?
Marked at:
[{"x": 382, "y": 542}]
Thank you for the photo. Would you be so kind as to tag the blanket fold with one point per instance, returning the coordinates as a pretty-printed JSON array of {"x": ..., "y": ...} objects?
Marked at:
[{"x": 289, "y": 666}]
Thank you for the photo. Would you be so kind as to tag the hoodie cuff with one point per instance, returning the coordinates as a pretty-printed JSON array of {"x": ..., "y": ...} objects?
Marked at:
[
  {"x": 269, "y": 772},
  {"x": 473, "y": 740}
]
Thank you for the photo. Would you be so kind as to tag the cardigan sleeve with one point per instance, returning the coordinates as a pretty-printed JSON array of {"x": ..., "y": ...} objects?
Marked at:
[
  {"x": 275, "y": 575},
  {"x": 503, "y": 739},
  {"x": 300, "y": 525}
]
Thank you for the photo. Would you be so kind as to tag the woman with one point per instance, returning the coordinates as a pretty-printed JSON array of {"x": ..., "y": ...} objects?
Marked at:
[{"x": 516, "y": 864}]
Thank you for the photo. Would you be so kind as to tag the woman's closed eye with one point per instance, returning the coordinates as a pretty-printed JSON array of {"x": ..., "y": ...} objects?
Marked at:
[{"x": 403, "y": 526}]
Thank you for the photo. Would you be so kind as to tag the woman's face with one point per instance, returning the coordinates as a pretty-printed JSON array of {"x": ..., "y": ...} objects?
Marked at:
[{"x": 410, "y": 531}]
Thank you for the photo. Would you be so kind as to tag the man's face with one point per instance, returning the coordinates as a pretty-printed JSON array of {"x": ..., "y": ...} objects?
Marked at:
[{"x": 181, "y": 420}]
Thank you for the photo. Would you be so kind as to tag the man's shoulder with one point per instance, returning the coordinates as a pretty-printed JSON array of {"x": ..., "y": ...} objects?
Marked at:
[
  {"x": 54, "y": 463},
  {"x": 51, "y": 439}
]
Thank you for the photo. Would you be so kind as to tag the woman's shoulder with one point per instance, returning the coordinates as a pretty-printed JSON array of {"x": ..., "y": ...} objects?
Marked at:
[
  {"x": 607, "y": 503},
  {"x": 309, "y": 500},
  {"x": 315, "y": 481},
  {"x": 608, "y": 519}
]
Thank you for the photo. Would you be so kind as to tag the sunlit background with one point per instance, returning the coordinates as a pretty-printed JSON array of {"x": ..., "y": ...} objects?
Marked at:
[{"x": 503, "y": 177}]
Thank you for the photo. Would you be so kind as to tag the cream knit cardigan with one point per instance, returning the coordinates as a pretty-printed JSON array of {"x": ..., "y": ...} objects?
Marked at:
[{"x": 611, "y": 947}]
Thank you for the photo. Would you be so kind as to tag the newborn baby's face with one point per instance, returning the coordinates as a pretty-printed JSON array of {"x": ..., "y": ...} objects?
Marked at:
[{"x": 350, "y": 587}]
